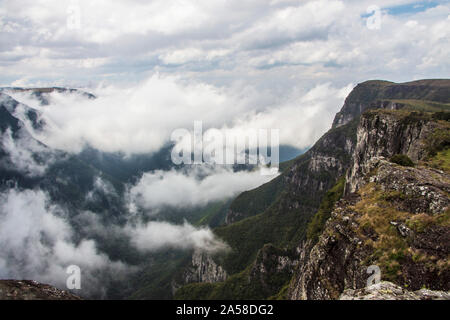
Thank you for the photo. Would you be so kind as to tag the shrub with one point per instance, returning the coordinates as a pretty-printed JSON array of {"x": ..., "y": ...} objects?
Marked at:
[
  {"x": 403, "y": 160},
  {"x": 317, "y": 223},
  {"x": 438, "y": 141},
  {"x": 442, "y": 115}
]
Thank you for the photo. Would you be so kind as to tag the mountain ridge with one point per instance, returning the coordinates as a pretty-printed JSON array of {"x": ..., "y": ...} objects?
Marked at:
[{"x": 328, "y": 160}]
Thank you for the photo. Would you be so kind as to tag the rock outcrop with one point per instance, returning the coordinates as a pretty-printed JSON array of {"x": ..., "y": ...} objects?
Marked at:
[
  {"x": 392, "y": 217},
  {"x": 202, "y": 269},
  {"x": 389, "y": 291},
  {"x": 384, "y": 133},
  {"x": 32, "y": 290}
]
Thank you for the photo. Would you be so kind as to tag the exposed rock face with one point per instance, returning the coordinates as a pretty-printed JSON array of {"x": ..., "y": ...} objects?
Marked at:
[
  {"x": 423, "y": 189},
  {"x": 389, "y": 291},
  {"x": 233, "y": 216},
  {"x": 202, "y": 269},
  {"x": 334, "y": 263},
  {"x": 392, "y": 216},
  {"x": 205, "y": 269},
  {"x": 386, "y": 134},
  {"x": 319, "y": 169},
  {"x": 32, "y": 290}
]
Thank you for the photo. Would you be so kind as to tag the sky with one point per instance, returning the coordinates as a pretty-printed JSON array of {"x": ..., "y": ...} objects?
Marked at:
[
  {"x": 160, "y": 65},
  {"x": 271, "y": 45}
]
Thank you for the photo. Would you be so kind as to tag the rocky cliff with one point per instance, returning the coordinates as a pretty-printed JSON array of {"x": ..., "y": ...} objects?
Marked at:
[
  {"x": 398, "y": 120},
  {"x": 394, "y": 217},
  {"x": 385, "y": 133},
  {"x": 202, "y": 268},
  {"x": 272, "y": 268}
]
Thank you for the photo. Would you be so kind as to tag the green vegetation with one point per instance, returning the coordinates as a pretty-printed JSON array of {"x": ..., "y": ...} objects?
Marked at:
[
  {"x": 441, "y": 160},
  {"x": 282, "y": 294},
  {"x": 253, "y": 202},
  {"x": 280, "y": 225},
  {"x": 390, "y": 250},
  {"x": 403, "y": 160},
  {"x": 316, "y": 225},
  {"x": 424, "y": 95},
  {"x": 445, "y": 116},
  {"x": 155, "y": 279},
  {"x": 439, "y": 140},
  {"x": 423, "y": 105},
  {"x": 247, "y": 284},
  {"x": 214, "y": 214},
  {"x": 277, "y": 213}
]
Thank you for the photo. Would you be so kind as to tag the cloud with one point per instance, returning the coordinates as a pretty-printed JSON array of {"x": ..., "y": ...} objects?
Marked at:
[
  {"x": 24, "y": 154},
  {"x": 196, "y": 187},
  {"x": 141, "y": 118},
  {"x": 132, "y": 120},
  {"x": 38, "y": 243},
  {"x": 156, "y": 235},
  {"x": 220, "y": 41},
  {"x": 302, "y": 118}
]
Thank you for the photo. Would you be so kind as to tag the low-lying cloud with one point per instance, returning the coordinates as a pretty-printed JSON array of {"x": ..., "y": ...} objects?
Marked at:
[
  {"x": 140, "y": 119},
  {"x": 155, "y": 235},
  {"x": 196, "y": 187},
  {"x": 39, "y": 242},
  {"x": 24, "y": 154}
]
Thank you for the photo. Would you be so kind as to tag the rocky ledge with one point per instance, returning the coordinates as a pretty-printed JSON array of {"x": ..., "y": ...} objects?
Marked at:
[
  {"x": 32, "y": 290},
  {"x": 389, "y": 291}
]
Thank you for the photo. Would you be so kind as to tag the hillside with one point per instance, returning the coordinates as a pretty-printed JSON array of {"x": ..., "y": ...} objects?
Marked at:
[
  {"x": 32, "y": 290},
  {"x": 279, "y": 212},
  {"x": 394, "y": 213}
]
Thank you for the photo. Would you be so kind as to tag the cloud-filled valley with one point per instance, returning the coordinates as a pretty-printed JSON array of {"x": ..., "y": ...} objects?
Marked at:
[{"x": 45, "y": 229}]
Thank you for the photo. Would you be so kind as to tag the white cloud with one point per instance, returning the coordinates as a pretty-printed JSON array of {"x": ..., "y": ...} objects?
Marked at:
[
  {"x": 155, "y": 235},
  {"x": 141, "y": 118},
  {"x": 207, "y": 40},
  {"x": 21, "y": 151},
  {"x": 197, "y": 187},
  {"x": 38, "y": 244},
  {"x": 134, "y": 120}
]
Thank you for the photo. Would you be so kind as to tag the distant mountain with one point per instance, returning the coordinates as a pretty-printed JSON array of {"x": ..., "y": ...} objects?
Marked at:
[
  {"x": 41, "y": 94},
  {"x": 422, "y": 95}
]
